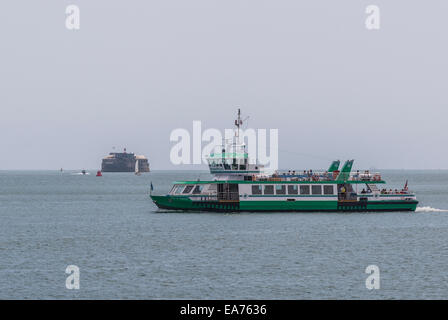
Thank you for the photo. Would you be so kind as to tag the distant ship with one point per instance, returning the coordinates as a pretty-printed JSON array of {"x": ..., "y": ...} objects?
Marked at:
[{"x": 124, "y": 162}]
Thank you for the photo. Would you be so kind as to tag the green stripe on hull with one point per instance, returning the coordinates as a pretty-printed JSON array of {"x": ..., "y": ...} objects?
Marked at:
[
  {"x": 167, "y": 202},
  {"x": 389, "y": 206},
  {"x": 184, "y": 203},
  {"x": 326, "y": 206},
  {"x": 288, "y": 205}
]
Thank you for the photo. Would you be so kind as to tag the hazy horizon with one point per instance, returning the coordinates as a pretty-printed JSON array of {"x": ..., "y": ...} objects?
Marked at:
[{"x": 136, "y": 70}]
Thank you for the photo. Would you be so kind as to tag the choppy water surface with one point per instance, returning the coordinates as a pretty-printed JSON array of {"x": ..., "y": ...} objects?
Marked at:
[{"x": 126, "y": 248}]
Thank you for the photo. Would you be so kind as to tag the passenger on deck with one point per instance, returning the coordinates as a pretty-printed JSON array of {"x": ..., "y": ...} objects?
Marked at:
[
  {"x": 363, "y": 191},
  {"x": 343, "y": 193}
]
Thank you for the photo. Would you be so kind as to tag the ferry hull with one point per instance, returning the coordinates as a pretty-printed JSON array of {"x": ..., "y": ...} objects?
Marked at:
[{"x": 186, "y": 204}]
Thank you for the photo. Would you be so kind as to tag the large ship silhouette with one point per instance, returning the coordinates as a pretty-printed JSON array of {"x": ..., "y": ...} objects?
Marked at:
[{"x": 124, "y": 162}]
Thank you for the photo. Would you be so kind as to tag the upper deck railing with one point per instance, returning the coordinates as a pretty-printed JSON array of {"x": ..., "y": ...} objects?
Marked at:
[
  {"x": 310, "y": 175},
  {"x": 365, "y": 176}
]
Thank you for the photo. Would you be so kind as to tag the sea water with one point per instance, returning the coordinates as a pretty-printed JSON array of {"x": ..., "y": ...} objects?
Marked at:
[{"x": 125, "y": 248}]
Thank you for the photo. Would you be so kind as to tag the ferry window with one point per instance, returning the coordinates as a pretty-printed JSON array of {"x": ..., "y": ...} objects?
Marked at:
[
  {"x": 256, "y": 189},
  {"x": 280, "y": 189},
  {"x": 328, "y": 190},
  {"x": 304, "y": 189},
  {"x": 316, "y": 189},
  {"x": 268, "y": 189},
  {"x": 198, "y": 189},
  {"x": 292, "y": 189},
  {"x": 187, "y": 189},
  {"x": 178, "y": 189}
]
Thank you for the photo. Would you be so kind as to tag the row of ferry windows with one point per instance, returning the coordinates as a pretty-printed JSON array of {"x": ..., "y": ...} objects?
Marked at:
[
  {"x": 227, "y": 166},
  {"x": 292, "y": 189},
  {"x": 197, "y": 189},
  {"x": 266, "y": 189}
]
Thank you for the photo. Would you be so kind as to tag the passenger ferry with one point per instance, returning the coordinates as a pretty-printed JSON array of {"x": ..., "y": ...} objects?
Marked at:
[{"x": 241, "y": 186}]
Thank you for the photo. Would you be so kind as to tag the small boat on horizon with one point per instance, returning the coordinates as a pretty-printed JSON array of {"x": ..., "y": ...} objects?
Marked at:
[{"x": 137, "y": 168}]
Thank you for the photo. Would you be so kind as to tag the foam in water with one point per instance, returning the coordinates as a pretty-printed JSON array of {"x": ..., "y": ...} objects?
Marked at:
[{"x": 429, "y": 209}]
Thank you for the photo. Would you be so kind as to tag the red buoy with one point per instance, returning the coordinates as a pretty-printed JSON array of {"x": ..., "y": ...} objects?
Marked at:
[{"x": 99, "y": 174}]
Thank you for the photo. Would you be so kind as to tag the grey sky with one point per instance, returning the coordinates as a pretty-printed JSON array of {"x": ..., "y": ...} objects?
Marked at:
[{"x": 136, "y": 70}]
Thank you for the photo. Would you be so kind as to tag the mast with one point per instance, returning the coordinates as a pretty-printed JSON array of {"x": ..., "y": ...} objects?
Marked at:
[{"x": 238, "y": 123}]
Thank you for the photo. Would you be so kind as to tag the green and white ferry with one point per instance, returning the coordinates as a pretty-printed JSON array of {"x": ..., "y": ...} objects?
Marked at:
[{"x": 241, "y": 186}]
